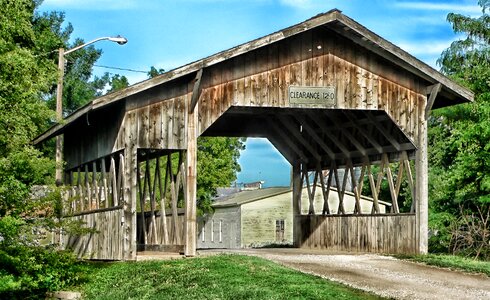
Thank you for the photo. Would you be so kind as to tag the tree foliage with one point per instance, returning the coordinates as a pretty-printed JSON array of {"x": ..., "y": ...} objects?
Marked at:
[
  {"x": 460, "y": 135},
  {"x": 217, "y": 166},
  {"x": 28, "y": 73}
]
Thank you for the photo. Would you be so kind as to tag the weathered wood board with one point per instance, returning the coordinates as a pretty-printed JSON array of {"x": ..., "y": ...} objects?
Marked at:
[
  {"x": 106, "y": 242},
  {"x": 263, "y": 78},
  {"x": 359, "y": 233}
]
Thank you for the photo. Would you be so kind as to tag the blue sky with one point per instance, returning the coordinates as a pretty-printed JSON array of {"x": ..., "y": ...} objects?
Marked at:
[{"x": 167, "y": 34}]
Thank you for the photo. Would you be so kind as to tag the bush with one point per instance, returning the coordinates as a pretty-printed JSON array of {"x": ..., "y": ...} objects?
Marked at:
[{"x": 27, "y": 270}]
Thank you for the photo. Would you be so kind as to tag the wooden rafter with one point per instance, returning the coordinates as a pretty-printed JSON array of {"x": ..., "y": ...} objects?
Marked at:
[
  {"x": 321, "y": 124},
  {"x": 346, "y": 133},
  {"x": 196, "y": 91},
  {"x": 287, "y": 139},
  {"x": 311, "y": 132},
  {"x": 364, "y": 132},
  {"x": 287, "y": 123},
  {"x": 385, "y": 132}
]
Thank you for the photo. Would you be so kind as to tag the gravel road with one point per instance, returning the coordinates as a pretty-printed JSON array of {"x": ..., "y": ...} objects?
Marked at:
[{"x": 382, "y": 275}]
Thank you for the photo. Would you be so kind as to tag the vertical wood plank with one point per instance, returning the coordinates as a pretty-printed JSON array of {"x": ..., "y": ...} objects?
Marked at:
[
  {"x": 421, "y": 170},
  {"x": 297, "y": 187},
  {"x": 191, "y": 186}
]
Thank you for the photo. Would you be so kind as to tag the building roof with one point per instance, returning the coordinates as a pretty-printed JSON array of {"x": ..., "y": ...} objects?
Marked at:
[
  {"x": 244, "y": 197},
  {"x": 451, "y": 93},
  {"x": 249, "y": 196}
]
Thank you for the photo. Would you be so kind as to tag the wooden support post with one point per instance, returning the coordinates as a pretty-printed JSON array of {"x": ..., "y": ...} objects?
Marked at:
[
  {"x": 128, "y": 167},
  {"x": 191, "y": 183},
  {"x": 297, "y": 187},
  {"x": 422, "y": 192}
]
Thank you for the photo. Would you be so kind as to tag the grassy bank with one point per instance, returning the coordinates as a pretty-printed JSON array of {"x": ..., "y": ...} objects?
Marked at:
[
  {"x": 215, "y": 277},
  {"x": 452, "y": 262}
]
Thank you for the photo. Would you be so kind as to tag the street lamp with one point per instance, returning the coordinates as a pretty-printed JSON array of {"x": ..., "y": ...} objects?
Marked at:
[{"x": 59, "y": 92}]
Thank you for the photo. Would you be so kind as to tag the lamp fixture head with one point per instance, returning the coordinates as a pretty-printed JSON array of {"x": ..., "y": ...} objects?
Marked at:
[{"x": 118, "y": 39}]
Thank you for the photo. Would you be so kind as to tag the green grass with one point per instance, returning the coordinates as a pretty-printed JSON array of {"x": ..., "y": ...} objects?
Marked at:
[
  {"x": 215, "y": 277},
  {"x": 452, "y": 262}
]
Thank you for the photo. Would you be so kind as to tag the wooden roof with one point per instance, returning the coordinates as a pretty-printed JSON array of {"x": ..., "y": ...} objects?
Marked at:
[{"x": 451, "y": 93}]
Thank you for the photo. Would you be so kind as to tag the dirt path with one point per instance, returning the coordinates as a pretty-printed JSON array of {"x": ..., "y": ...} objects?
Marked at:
[{"x": 382, "y": 275}]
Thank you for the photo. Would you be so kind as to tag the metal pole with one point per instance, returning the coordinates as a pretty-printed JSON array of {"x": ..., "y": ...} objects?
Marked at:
[{"x": 59, "y": 116}]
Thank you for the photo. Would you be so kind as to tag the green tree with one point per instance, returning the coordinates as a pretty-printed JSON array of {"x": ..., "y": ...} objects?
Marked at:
[
  {"x": 117, "y": 82},
  {"x": 26, "y": 76},
  {"x": 217, "y": 166},
  {"x": 460, "y": 136}
]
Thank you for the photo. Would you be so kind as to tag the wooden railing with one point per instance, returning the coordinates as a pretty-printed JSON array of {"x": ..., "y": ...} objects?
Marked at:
[
  {"x": 324, "y": 180},
  {"x": 95, "y": 185}
]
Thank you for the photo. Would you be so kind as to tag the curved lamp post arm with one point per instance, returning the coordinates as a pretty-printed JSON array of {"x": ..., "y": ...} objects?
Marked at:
[{"x": 118, "y": 39}]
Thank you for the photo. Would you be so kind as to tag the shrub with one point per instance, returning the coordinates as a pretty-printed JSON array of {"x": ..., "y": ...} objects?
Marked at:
[{"x": 27, "y": 270}]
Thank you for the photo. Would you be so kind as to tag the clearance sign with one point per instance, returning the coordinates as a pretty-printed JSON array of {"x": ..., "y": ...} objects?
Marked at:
[{"x": 324, "y": 96}]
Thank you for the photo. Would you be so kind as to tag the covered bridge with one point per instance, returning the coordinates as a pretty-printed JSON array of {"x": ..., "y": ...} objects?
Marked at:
[{"x": 328, "y": 93}]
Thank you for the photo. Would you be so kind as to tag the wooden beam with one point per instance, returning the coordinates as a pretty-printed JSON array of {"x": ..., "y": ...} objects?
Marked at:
[
  {"x": 411, "y": 184},
  {"x": 163, "y": 202},
  {"x": 389, "y": 177},
  {"x": 281, "y": 147},
  {"x": 191, "y": 184},
  {"x": 321, "y": 124},
  {"x": 297, "y": 134},
  {"x": 311, "y": 132},
  {"x": 362, "y": 130},
  {"x": 287, "y": 140},
  {"x": 432, "y": 91},
  {"x": 385, "y": 132},
  {"x": 297, "y": 187},
  {"x": 422, "y": 189},
  {"x": 196, "y": 91},
  {"x": 346, "y": 133},
  {"x": 325, "y": 190}
]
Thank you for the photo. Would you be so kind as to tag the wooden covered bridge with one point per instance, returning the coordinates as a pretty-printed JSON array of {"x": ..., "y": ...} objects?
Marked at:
[{"x": 327, "y": 93}]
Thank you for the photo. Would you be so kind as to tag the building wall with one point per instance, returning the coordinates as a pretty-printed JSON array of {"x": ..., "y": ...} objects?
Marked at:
[
  {"x": 209, "y": 229},
  {"x": 258, "y": 224},
  {"x": 254, "y": 224}
]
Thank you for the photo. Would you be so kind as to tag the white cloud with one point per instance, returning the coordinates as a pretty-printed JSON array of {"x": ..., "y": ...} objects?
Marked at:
[
  {"x": 459, "y": 8},
  {"x": 91, "y": 4},
  {"x": 425, "y": 48}
]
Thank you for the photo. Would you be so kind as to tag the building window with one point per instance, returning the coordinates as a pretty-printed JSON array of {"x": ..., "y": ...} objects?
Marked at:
[
  {"x": 279, "y": 230},
  {"x": 212, "y": 231},
  {"x": 220, "y": 231},
  {"x": 203, "y": 231}
]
